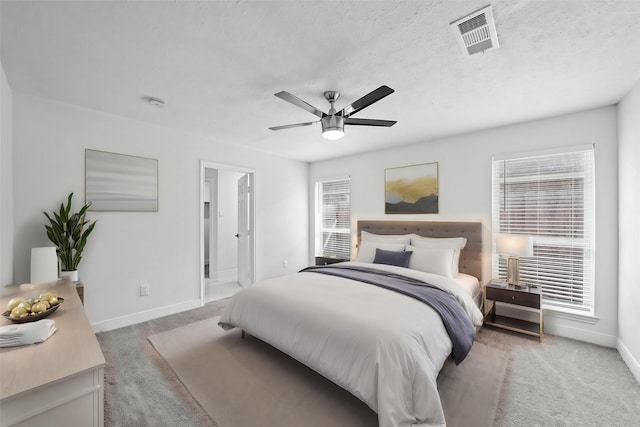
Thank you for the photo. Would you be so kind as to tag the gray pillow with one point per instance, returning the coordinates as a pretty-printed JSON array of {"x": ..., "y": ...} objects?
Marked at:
[{"x": 397, "y": 258}]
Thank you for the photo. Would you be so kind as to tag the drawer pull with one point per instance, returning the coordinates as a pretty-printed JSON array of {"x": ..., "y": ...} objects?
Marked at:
[{"x": 513, "y": 298}]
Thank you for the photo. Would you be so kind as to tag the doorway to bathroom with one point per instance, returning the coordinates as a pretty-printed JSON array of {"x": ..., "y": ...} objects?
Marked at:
[{"x": 226, "y": 228}]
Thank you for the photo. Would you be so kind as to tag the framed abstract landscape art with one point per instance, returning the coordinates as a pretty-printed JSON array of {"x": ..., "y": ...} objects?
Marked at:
[{"x": 411, "y": 189}]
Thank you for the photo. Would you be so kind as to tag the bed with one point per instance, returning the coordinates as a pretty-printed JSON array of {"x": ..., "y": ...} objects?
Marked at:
[{"x": 385, "y": 346}]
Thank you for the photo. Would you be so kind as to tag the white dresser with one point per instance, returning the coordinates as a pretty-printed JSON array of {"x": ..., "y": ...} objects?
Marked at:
[{"x": 59, "y": 382}]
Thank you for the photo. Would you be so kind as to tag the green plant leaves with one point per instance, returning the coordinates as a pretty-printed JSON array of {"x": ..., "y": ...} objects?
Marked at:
[{"x": 67, "y": 232}]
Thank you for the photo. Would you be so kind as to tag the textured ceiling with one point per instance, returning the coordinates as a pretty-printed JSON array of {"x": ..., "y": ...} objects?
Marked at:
[{"x": 218, "y": 64}]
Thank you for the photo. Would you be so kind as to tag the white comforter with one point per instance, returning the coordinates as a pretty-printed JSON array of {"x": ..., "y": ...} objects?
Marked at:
[{"x": 385, "y": 348}]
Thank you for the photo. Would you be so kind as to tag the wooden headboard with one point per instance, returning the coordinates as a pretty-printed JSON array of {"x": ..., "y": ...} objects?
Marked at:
[{"x": 471, "y": 255}]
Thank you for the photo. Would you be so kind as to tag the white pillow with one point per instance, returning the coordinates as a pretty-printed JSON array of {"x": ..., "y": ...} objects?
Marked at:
[
  {"x": 367, "y": 250},
  {"x": 405, "y": 239},
  {"x": 433, "y": 260},
  {"x": 455, "y": 243}
]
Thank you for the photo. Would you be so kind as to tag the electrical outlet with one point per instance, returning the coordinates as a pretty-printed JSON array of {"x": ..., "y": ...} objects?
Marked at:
[
  {"x": 285, "y": 263},
  {"x": 144, "y": 290}
]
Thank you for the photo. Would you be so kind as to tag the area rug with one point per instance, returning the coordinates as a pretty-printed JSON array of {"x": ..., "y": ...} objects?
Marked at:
[{"x": 245, "y": 382}]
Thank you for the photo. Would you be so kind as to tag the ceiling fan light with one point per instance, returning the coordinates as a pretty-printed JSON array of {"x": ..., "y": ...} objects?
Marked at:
[
  {"x": 332, "y": 127},
  {"x": 333, "y": 134}
]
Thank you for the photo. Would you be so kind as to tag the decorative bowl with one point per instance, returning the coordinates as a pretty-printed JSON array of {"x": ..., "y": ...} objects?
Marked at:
[{"x": 33, "y": 317}]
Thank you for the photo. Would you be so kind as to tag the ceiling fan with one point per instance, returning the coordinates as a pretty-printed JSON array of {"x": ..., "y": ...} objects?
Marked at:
[{"x": 333, "y": 122}]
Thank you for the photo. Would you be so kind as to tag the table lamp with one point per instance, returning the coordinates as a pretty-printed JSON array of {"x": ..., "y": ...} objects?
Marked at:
[{"x": 514, "y": 246}]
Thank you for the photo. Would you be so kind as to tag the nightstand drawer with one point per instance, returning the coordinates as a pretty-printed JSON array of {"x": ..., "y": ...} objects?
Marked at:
[{"x": 524, "y": 298}]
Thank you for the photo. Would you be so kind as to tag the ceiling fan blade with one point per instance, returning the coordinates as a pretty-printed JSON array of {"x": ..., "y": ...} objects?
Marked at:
[
  {"x": 299, "y": 103},
  {"x": 292, "y": 126},
  {"x": 369, "y": 122},
  {"x": 366, "y": 100}
]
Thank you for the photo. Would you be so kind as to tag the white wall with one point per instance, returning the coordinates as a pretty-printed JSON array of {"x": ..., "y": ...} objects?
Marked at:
[
  {"x": 161, "y": 248},
  {"x": 6, "y": 181},
  {"x": 464, "y": 167},
  {"x": 629, "y": 226}
]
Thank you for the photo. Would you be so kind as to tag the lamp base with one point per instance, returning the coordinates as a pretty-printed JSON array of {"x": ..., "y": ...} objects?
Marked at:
[{"x": 513, "y": 272}]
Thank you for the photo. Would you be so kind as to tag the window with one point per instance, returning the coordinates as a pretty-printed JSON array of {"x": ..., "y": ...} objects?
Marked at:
[
  {"x": 333, "y": 218},
  {"x": 551, "y": 198}
]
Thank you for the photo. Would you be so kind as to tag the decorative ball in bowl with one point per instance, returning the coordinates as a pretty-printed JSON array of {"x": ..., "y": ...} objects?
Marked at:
[{"x": 21, "y": 310}]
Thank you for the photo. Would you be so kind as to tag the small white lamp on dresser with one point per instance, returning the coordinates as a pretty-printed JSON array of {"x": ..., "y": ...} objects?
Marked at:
[{"x": 44, "y": 265}]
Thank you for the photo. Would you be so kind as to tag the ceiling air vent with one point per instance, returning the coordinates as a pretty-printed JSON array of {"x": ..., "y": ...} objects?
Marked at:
[{"x": 476, "y": 32}]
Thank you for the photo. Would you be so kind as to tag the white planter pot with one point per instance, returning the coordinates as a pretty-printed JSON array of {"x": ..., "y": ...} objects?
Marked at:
[{"x": 73, "y": 275}]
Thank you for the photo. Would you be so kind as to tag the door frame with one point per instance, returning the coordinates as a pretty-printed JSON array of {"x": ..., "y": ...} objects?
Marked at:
[{"x": 204, "y": 164}]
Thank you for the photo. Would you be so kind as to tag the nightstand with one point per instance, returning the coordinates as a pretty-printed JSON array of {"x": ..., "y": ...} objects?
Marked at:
[
  {"x": 321, "y": 260},
  {"x": 523, "y": 297}
]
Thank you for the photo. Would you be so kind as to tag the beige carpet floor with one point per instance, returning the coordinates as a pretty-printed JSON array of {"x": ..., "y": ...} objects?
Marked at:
[{"x": 249, "y": 383}]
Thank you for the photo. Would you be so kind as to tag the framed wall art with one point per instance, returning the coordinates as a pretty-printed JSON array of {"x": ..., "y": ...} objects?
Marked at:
[
  {"x": 119, "y": 182},
  {"x": 411, "y": 189}
]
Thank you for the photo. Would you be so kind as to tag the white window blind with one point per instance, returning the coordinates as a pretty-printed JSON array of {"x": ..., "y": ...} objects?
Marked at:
[
  {"x": 551, "y": 198},
  {"x": 333, "y": 218}
]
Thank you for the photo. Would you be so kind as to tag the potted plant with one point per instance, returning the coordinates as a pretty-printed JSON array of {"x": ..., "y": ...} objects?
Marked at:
[{"x": 68, "y": 233}]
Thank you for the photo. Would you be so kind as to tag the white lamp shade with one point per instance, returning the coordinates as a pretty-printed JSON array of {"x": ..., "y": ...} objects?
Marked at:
[
  {"x": 44, "y": 265},
  {"x": 516, "y": 245}
]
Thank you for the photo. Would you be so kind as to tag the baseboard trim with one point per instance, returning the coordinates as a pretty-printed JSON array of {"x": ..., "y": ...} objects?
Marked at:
[
  {"x": 580, "y": 334},
  {"x": 143, "y": 316},
  {"x": 628, "y": 358},
  {"x": 556, "y": 325}
]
